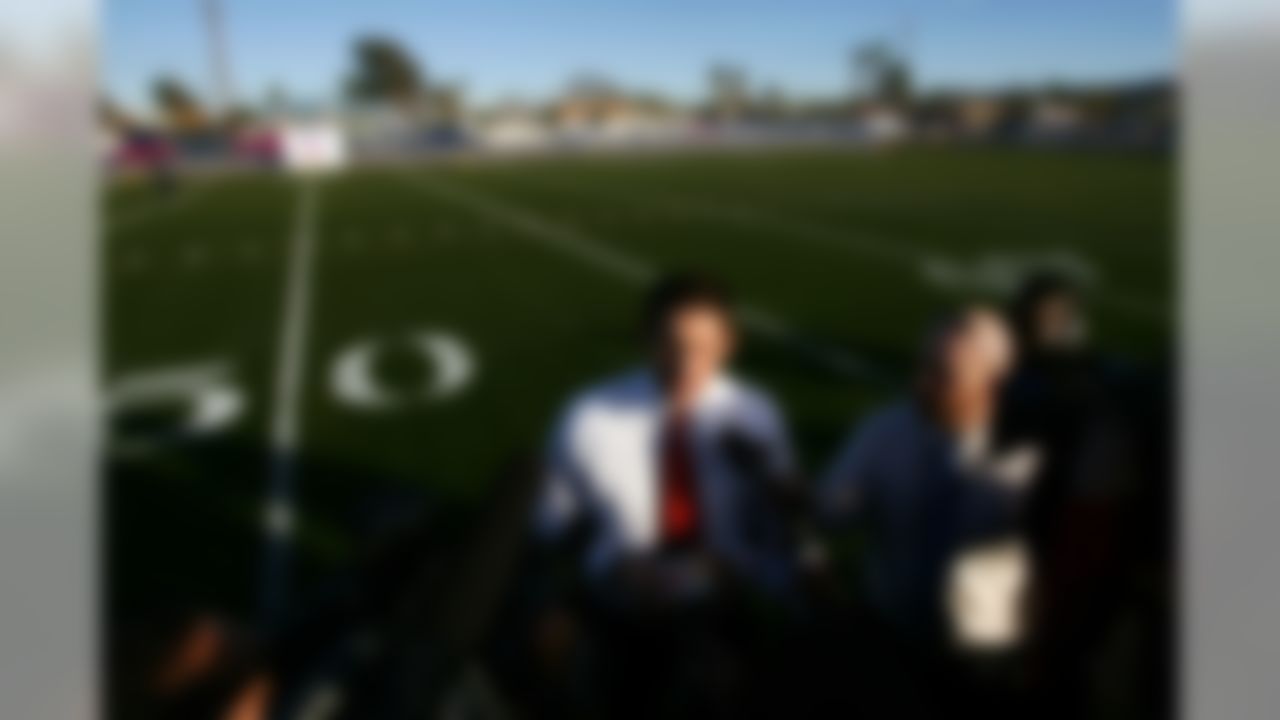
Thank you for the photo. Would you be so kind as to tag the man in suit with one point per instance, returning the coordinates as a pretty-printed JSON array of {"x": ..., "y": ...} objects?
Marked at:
[
  {"x": 668, "y": 475},
  {"x": 939, "y": 498}
]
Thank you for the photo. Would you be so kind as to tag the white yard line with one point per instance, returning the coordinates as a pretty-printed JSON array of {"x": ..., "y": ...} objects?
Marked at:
[
  {"x": 565, "y": 240},
  {"x": 906, "y": 256},
  {"x": 861, "y": 244},
  {"x": 601, "y": 256},
  {"x": 278, "y": 510}
]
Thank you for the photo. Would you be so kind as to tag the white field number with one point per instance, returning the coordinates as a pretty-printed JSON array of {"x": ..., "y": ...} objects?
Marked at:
[
  {"x": 451, "y": 365},
  {"x": 1002, "y": 273},
  {"x": 209, "y": 399}
]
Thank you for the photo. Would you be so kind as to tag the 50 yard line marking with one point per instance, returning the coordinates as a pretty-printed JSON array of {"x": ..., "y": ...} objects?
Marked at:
[{"x": 278, "y": 510}]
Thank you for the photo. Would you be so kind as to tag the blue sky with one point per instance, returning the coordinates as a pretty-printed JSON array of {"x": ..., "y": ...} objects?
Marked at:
[{"x": 530, "y": 48}]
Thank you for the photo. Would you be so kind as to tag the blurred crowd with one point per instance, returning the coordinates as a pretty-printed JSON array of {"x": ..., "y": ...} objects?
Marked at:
[{"x": 994, "y": 543}]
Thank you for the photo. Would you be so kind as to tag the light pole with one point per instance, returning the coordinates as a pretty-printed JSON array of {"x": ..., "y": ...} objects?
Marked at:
[{"x": 218, "y": 60}]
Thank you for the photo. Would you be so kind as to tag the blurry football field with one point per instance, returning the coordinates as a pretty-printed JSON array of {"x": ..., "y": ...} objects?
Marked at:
[{"x": 408, "y": 332}]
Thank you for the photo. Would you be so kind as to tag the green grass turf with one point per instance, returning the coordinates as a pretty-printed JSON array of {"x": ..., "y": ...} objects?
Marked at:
[{"x": 829, "y": 243}]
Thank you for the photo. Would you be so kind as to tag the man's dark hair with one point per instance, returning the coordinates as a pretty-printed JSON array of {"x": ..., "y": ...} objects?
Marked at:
[
  {"x": 681, "y": 290},
  {"x": 1033, "y": 291}
]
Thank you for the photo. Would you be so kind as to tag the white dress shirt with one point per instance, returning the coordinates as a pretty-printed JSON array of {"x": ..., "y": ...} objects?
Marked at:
[{"x": 603, "y": 465}]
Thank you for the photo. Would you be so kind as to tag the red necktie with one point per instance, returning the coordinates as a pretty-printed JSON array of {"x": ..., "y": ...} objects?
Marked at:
[{"x": 679, "y": 518}]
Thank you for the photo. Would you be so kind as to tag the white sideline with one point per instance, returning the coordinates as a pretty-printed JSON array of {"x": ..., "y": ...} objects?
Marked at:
[
  {"x": 596, "y": 253},
  {"x": 278, "y": 512}
]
